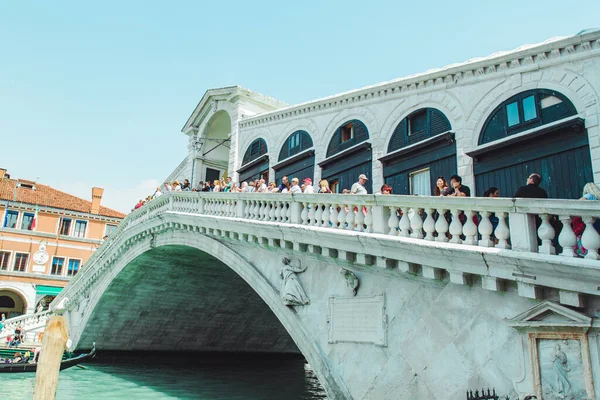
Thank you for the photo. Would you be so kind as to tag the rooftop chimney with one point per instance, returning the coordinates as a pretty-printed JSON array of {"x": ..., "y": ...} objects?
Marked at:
[
  {"x": 96, "y": 198},
  {"x": 2, "y": 173}
]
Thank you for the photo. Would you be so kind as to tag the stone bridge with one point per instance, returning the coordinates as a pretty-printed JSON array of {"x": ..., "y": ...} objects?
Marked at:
[{"x": 407, "y": 297}]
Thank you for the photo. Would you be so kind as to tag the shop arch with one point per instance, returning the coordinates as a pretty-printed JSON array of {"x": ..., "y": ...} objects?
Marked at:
[
  {"x": 296, "y": 157},
  {"x": 537, "y": 131},
  {"x": 421, "y": 148},
  {"x": 348, "y": 155},
  {"x": 255, "y": 164}
]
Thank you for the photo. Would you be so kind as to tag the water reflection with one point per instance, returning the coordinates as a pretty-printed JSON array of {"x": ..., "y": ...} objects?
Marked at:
[{"x": 198, "y": 376}]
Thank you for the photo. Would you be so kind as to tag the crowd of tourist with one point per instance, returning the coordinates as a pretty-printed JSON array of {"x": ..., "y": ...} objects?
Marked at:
[{"x": 454, "y": 188}]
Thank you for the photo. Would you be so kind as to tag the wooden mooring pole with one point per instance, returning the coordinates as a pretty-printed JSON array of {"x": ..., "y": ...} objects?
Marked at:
[{"x": 48, "y": 367}]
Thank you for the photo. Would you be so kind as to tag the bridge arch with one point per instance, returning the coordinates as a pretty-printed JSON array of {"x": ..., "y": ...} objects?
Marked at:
[{"x": 142, "y": 242}]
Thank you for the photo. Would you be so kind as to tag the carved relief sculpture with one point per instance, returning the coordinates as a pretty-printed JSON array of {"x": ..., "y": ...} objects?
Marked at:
[
  {"x": 351, "y": 280},
  {"x": 292, "y": 293}
]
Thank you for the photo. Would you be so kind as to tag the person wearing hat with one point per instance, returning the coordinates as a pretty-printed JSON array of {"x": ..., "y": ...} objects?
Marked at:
[
  {"x": 308, "y": 187},
  {"x": 359, "y": 187}
]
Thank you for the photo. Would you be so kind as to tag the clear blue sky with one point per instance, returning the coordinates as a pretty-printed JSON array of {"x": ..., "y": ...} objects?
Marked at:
[{"x": 95, "y": 93}]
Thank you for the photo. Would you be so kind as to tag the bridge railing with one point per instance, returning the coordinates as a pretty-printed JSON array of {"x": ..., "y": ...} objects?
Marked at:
[
  {"x": 535, "y": 225},
  {"x": 28, "y": 322},
  {"x": 530, "y": 225}
]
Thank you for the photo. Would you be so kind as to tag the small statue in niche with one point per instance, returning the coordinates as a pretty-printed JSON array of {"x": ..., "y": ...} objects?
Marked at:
[
  {"x": 351, "y": 280},
  {"x": 292, "y": 293}
]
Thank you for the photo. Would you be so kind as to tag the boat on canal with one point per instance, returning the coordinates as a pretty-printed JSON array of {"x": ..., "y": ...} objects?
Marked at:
[{"x": 64, "y": 364}]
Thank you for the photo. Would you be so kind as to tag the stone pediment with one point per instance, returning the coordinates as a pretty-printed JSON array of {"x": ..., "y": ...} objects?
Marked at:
[{"x": 548, "y": 314}]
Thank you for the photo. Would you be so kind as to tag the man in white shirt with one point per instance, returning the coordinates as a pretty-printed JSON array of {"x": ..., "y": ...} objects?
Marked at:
[
  {"x": 359, "y": 187},
  {"x": 295, "y": 187},
  {"x": 308, "y": 187}
]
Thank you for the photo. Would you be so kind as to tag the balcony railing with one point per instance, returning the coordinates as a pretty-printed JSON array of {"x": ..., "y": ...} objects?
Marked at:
[{"x": 533, "y": 225}]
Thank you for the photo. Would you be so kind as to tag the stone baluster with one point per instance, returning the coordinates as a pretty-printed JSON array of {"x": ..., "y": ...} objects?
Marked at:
[
  {"x": 455, "y": 227},
  {"x": 485, "y": 230},
  {"x": 318, "y": 214},
  {"x": 333, "y": 216},
  {"x": 368, "y": 221},
  {"x": 359, "y": 219},
  {"x": 266, "y": 209},
  {"x": 546, "y": 233},
  {"x": 429, "y": 225},
  {"x": 393, "y": 221},
  {"x": 342, "y": 217},
  {"x": 311, "y": 213},
  {"x": 304, "y": 214},
  {"x": 273, "y": 207},
  {"x": 441, "y": 226},
  {"x": 590, "y": 239},
  {"x": 210, "y": 206},
  {"x": 470, "y": 229},
  {"x": 257, "y": 214},
  {"x": 254, "y": 210},
  {"x": 289, "y": 213},
  {"x": 326, "y": 215},
  {"x": 350, "y": 217},
  {"x": 247, "y": 206},
  {"x": 416, "y": 223},
  {"x": 567, "y": 238},
  {"x": 404, "y": 223},
  {"x": 502, "y": 231},
  {"x": 277, "y": 212}
]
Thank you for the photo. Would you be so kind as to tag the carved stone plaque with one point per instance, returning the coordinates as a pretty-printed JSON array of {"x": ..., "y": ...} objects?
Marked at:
[{"x": 358, "y": 320}]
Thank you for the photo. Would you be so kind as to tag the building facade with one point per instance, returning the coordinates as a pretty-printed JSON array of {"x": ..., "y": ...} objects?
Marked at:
[
  {"x": 492, "y": 120},
  {"x": 46, "y": 237}
]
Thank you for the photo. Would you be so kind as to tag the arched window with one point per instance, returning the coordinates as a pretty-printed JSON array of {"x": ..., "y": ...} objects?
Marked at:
[
  {"x": 421, "y": 148},
  {"x": 295, "y": 143},
  {"x": 256, "y": 149},
  {"x": 534, "y": 131},
  {"x": 347, "y": 135},
  {"x": 524, "y": 111},
  {"x": 419, "y": 125},
  {"x": 342, "y": 168}
]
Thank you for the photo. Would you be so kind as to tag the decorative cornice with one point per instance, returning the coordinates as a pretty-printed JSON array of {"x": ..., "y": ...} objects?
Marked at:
[{"x": 497, "y": 63}]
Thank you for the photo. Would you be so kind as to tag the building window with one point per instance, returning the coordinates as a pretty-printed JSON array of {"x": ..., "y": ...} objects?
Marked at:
[
  {"x": 4, "y": 258},
  {"x": 10, "y": 220},
  {"x": 26, "y": 221},
  {"x": 79, "y": 230},
  {"x": 21, "y": 260},
  {"x": 110, "y": 229},
  {"x": 512, "y": 114},
  {"x": 529, "y": 109},
  {"x": 73, "y": 267},
  {"x": 417, "y": 123},
  {"x": 347, "y": 132},
  {"x": 420, "y": 182},
  {"x": 57, "y": 265},
  {"x": 549, "y": 102},
  {"x": 65, "y": 226},
  {"x": 294, "y": 142}
]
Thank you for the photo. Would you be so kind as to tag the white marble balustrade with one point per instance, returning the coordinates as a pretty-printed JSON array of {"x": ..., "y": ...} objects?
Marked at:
[{"x": 482, "y": 222}]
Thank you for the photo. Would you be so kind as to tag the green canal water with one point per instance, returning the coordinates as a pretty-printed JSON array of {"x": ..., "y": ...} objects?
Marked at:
[{"x": 204, "y": 377}]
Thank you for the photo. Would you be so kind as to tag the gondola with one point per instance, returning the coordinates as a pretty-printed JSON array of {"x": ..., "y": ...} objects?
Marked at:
[{"x": 64, "y": 364}]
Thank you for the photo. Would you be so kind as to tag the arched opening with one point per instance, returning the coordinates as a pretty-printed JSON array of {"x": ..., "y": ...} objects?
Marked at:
[
  {"x": 255, "y": 164},
  {"x": 12, "y": 304},
  {"x": 214, "y": 145},
  {"x": 421, "y": 148},
  {"x": 348, "y": 156},
  {"x": 534, "y": 131},
  {"x": 181, "y": 292},
  {"x": 296, "y": 159}
]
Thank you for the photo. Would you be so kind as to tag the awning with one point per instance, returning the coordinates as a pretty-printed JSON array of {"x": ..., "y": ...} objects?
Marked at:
[{"x": 48, "y": 290}]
